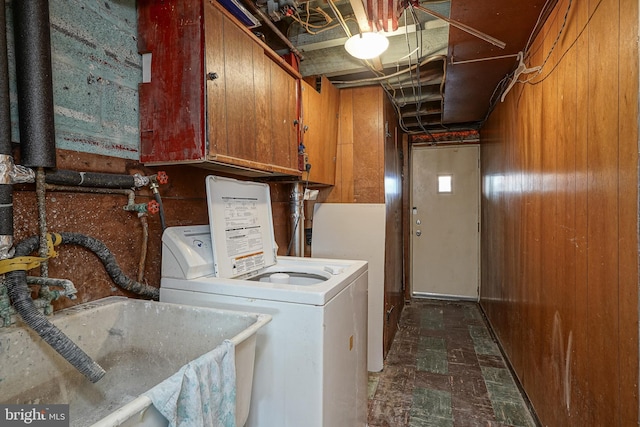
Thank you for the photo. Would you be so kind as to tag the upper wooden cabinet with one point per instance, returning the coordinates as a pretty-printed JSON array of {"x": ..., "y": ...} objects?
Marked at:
[
  {"x": 213, "y": 93},
  {"x": 320, "y": 115}
]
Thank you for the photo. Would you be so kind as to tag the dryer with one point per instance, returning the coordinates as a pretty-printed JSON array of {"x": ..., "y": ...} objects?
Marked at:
[{"x": 311, "y": 359}]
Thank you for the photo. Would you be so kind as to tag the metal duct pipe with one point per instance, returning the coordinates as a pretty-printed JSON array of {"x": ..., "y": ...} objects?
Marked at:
[
  {"x": 35, "y": 86},
  {"x": 296, "y": 245}
]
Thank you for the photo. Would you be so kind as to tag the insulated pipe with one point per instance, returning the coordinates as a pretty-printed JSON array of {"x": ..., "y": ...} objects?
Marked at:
[
  {"x": 22, "y": 174},
  {"x": 5, "y": 103},
  {"x": 6, "y": 161},
  {"x": 94, "y": 179},
  {"x": 35, "y": 97},
  {"x": 105, "y": 183},
  {"x": 35, "y": 83}
]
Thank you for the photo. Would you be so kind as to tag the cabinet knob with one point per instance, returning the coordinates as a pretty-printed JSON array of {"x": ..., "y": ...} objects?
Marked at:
[{"x": 212, "y": 76}]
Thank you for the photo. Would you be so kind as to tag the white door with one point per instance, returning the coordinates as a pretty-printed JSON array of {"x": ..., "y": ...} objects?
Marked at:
[{"x": 445, "y": 231}]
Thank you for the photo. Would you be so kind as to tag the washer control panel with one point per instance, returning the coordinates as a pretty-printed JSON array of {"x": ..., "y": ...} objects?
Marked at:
[{"x": 187, "y": 252}]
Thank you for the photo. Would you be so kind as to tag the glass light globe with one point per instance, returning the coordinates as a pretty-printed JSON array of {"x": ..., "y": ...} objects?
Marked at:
[{"x": 366, "y": 45}]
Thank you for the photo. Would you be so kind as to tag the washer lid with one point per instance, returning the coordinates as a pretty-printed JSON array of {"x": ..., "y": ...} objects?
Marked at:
[{"x": 241, "y": 225}]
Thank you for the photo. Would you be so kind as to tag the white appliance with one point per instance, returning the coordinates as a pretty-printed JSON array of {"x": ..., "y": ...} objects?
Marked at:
[
  {"x": 311, "y": 359},
  {"x": 357, "y": 231}
]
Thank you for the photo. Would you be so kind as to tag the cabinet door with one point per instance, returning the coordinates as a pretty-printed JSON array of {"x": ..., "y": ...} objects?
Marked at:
[
  {"x": 320, "y": 119},
  {"x": 262, "y": 82},
  {"x": 230, "y": 97},
  {"x": 217, "y": 94},
  {"x": 171, "y": 99},
  {"x": 240, "y": 93},
  {"x": 251, "y": 100},
  {"x": 216, "y": 80},
  {"x": 284, "y": 113}
]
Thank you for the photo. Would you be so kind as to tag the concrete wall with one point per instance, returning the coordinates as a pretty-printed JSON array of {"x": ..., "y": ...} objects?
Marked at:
[{"x": 96, "y": 72}]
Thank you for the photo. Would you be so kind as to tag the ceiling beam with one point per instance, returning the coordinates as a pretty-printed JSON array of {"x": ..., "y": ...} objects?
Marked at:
[
  {"x": 361, "y": 15},
  {"x": 336, "y": 37}
]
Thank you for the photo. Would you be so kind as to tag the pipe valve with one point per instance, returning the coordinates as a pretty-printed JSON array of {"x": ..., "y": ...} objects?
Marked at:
[
  {"x": 153, "y": 207},
  {"x": 162, "y": 177}
]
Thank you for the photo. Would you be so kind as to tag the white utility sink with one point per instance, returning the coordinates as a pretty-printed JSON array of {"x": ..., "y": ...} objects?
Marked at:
[{"x": 139, "y": 344}]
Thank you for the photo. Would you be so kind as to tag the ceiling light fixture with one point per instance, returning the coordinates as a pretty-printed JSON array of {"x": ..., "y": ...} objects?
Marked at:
[{"x": 366, "y": 45}]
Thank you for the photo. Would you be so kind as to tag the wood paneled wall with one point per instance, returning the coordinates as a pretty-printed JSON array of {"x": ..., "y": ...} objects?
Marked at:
[
  {"x": 360, "y": 159},
  {"x": 560, "y": 218},
  {"x": 369, "y": 170}
]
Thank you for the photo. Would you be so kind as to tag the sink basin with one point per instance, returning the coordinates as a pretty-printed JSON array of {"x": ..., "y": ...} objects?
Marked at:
[{"x": 139, "y": 344}]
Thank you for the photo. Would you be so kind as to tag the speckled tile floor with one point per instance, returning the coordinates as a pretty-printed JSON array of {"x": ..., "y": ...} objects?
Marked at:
[{"x": 444, "y": 369}]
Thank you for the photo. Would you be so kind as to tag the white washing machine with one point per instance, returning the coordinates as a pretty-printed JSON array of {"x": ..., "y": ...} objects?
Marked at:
[{"x": 311, "y": 359}]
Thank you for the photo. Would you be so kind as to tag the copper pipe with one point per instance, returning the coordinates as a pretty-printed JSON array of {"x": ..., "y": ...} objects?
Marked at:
[{"x": 143, "y": 250}]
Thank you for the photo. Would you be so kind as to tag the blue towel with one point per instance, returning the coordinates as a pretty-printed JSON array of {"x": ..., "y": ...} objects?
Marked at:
[{"x": 202, "y": 393}]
